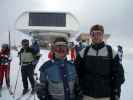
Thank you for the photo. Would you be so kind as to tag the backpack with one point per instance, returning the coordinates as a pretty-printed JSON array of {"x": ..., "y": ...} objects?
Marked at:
[
  {"x": 35, "y": 47},
  {"x": 120, "y": 53}
]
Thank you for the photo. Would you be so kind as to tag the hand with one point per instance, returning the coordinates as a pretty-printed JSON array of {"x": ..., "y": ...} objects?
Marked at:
[
  {"x": 34, "y": 62},
  {"x": 41, "y": 91},
  {"x": 117, "y": 97},
  {"x": 115, "y": 94}
]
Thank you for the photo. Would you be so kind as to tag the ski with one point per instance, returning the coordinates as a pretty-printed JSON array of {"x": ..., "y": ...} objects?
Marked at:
[
  {"x": 29, "y": 96},
  {"x": 11, "y": 92},
  {"x": 22, "y": 96}
]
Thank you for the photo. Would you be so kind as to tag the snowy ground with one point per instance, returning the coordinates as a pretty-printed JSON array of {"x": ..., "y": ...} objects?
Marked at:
[{"x": 127, "y": 88}]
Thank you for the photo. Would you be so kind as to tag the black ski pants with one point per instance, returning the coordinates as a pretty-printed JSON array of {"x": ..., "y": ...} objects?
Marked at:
[{"x": 27, "y": 72}]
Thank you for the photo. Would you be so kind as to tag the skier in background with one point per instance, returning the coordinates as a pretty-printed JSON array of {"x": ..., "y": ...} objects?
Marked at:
[
  {"x": 72, "y": 51},
  {"x": 36, "y": 50},
  {"x": 28, "y": 60},
  {"x": 35, "y": 46},
  {"x": 5, "y": 65},
  {"x": 82, "y": 44}
]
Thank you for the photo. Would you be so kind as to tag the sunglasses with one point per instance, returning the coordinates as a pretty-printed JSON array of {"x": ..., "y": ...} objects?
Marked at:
[
  {"x": 25, "y": 44},
  {"x": 94, "y": 33},
  {"x": 60, "y": 48}
]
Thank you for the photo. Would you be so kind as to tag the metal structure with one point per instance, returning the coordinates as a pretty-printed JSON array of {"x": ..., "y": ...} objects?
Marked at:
[{"x": 46, "y": 26}]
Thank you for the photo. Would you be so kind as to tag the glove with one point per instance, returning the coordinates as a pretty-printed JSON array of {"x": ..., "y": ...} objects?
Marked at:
[
  {"x": 77, "y": 91},
  {"x": 9, "y": 59},
  {"x": 34, "y": 63},
  {"x": 41, "y": 91},
  {"x": 115, "y": 94},
  {"x": 115, "y": 97}
]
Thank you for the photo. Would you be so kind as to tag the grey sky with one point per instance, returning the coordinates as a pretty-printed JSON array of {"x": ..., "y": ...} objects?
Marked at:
[{"x": 115, "y": 15}]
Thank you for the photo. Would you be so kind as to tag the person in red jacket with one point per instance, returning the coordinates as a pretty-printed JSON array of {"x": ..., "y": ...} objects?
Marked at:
[
  {"x": 73, "y": 52},
  {"x": 50, "y": 55},
  {"x": 5, "y": 65}
]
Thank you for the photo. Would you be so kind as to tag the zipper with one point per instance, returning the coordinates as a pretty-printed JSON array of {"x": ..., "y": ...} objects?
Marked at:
[{"x": 96, "y": 52}]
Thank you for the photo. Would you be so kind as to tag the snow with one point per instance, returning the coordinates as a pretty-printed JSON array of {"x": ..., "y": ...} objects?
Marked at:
[{"x": 127, "y": 89}]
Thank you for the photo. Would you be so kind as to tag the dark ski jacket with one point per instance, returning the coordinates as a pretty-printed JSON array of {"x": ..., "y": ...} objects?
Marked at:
[{"x": 99, "y": 71}]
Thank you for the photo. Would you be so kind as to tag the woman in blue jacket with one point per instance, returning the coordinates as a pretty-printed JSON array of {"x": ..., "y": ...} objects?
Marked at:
[{"x": 57, "y": 76}]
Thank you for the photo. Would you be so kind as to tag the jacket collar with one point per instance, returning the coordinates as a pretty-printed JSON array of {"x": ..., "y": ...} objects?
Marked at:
[{"x": 98, "y": 46}]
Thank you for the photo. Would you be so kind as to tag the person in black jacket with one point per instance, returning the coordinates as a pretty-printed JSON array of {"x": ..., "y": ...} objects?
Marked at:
[
  {"x": 27, "y": 61},
  {"x": 99, "y": 70}
]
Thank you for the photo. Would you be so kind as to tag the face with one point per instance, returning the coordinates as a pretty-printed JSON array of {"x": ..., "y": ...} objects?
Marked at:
[
  {"x": 96, "y": 36},
  {"x": 5, "y": 50},
  {"x": 60, "y": 51},
  {"x": 84, "y": 43},
  {"x": 25, "y": 44}
]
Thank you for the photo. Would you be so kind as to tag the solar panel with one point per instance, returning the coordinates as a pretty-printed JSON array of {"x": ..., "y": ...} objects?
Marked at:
[{"x": 47, "y": 19}]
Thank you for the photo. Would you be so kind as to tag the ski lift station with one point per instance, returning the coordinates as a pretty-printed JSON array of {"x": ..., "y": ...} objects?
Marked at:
[{"x": 46, "y": 26}]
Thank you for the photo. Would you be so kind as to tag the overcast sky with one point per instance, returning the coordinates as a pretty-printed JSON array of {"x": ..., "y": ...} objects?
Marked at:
[{"x": 115, "y": 15}]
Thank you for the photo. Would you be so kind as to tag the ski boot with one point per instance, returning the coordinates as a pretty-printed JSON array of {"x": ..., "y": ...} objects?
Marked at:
[{"x": 25, "y": 91}]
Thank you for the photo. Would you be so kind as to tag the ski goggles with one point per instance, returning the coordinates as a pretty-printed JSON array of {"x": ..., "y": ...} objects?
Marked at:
[
  {"x": 60, "y": 48},
  {"x": 94, "y": 33}
]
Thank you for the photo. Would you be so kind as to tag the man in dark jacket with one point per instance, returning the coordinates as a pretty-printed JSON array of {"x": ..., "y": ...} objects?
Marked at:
[
  {"x": 27, "y": 58},
  {"x": 99, "y": 70}
]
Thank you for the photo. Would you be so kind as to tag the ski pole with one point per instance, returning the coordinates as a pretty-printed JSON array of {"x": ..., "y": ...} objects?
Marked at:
[
  {"x": 36, "y": 79},
  {"x": 16, "y": 80},
  {"x": 34, "y": 97}
]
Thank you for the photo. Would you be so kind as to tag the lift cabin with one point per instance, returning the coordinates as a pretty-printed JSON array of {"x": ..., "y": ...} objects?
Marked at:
[{"x": 46, "y": 26}]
